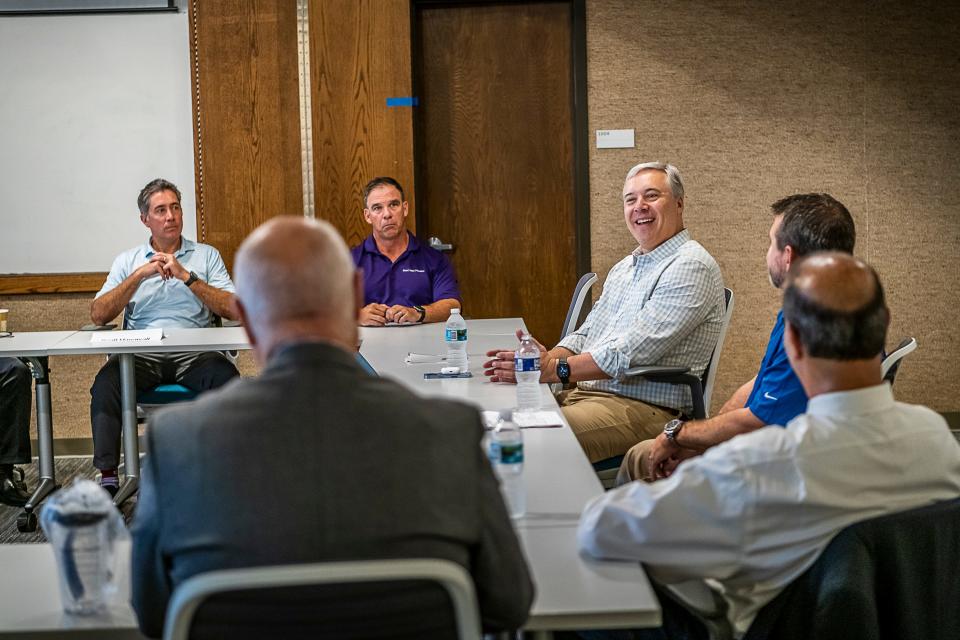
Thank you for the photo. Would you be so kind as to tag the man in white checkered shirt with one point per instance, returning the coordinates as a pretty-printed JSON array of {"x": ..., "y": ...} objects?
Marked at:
[{"x": 661, "y": 305}]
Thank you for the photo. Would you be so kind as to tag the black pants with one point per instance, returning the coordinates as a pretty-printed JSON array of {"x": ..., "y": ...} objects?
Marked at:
[
  {"x": 14, "y": 412},
  {"x": 195, "y": 371}
]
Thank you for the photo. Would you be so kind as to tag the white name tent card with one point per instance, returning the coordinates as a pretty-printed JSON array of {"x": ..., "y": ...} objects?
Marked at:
[
  {"x": 127, "y": 337},
  {"x": 524, "y": 419}
]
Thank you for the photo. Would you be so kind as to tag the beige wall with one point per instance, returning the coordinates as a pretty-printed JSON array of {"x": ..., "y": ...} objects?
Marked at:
[
  {"x": 756, "y": 100},
  {"x": 752, "y": 103}
]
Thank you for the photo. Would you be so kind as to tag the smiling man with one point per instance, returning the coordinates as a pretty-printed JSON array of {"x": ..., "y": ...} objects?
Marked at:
[
  {"x": 404, "y": 281},
  {"x": 169, "y": 281},
  {"x": 802, "y": 224},
  {"x": 661, "y": 305}
]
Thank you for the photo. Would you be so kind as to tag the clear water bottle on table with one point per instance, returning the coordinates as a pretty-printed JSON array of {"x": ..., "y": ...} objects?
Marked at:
[
  {"x": 506, "y": 455},
  {"x": 526, "y": 367},
  {"x": 456, "y": 339}
]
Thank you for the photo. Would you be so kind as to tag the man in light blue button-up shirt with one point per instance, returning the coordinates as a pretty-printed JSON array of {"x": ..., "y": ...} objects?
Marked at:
[
  {"x": 661, "y": 305},
  {"x": 169, "y": 281}
]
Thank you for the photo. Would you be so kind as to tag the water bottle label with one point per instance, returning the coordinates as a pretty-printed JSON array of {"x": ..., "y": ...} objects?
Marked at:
[
  {"x": 493, "y": 452},
  {"x": 511, "y": 453},
  {"x": 456, "y": 335},
  {"x": 526, "y": 364}
]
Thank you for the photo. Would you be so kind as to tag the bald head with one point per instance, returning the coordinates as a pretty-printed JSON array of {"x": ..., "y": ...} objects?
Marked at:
[
  {"x": 295, "y": 278},
  {"x": 836, "y": 304}
]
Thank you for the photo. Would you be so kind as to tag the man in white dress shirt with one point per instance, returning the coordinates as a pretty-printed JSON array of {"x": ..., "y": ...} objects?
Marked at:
[{"x": 752, "y": 514}]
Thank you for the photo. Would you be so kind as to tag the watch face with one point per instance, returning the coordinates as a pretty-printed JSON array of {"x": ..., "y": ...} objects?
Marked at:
[{"x": 563, "y": 370}]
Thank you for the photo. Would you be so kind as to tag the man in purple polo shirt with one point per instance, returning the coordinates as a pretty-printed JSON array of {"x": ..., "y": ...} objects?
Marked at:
[{"x": 403, "y": 281}]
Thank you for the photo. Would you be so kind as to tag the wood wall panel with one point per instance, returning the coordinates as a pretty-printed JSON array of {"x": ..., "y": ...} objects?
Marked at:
[
  {"x": 495, "y": 156},
  {"x": 51, "y": 283},
  {"x": 246, "y": 117},
  {"x": 359, "y": 57}
]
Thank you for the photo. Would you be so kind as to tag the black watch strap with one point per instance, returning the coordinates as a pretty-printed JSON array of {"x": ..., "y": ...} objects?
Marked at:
[
  {"x": 421, "y": 311},
  {"x": 193, "y": 278},
  {"x": 563, "y": 370}
]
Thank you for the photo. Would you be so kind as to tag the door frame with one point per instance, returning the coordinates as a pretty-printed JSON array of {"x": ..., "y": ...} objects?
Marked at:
[{"x": 578, "y": 110}]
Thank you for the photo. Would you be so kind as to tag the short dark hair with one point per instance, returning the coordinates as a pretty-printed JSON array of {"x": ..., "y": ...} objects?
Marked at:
[
  {"x": 814, "y": 222},
  {"x": 836, "y": 334},
  {"x": 154, "y": 186},
  {"x": 381, "y": 181}
]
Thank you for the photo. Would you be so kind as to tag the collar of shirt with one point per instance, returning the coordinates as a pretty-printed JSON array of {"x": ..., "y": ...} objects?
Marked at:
[
  {"x": 370, "y": 246},
  {"x": 186, "y": 245},
  {"x": 858, "y": 402},
  {"x": 667, "y": 248}
]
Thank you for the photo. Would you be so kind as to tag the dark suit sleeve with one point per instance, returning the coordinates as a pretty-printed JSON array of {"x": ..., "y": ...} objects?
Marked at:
[
  {"x": 500, "y": 573},
  {"x": 149, "y": 581}
]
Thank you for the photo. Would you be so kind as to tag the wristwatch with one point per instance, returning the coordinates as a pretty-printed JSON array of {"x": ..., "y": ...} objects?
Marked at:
[
  {"x": 563, "y": 371},
  {"x": 193, "y": 278},
  {"x": 672, "y": 428},
  {"x": 421, "y": 311}
]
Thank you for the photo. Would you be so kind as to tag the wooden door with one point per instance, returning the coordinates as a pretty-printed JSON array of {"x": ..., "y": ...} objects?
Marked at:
[{"x": 494, "y": 154}]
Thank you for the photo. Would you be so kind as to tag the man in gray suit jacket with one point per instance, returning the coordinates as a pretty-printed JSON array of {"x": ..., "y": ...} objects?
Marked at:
[{"x": 315, "y": 460}]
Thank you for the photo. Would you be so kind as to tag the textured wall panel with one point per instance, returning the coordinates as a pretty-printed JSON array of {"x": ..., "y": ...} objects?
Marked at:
[{"x": 754, "y": 101}]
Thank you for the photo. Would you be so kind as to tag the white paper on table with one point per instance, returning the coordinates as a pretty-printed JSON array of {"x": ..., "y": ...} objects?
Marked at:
[
  {"x": 128, "y": 337},
  {"x": 524, "y": 419},
  {"x": 423, "y": 358}
]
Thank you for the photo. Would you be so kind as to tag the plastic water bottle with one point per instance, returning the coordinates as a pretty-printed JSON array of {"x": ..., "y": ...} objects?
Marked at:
[
  {"x": 526, "y": 366},
  {"x": 506, "y": 456},
  {"x": 456, "y": 338}
]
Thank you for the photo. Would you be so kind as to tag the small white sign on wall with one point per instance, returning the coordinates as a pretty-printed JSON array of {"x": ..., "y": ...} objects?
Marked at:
[{"x": 614, "y": 138}]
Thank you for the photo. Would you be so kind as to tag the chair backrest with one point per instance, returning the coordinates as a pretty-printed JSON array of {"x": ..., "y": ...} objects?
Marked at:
[
  {"x": 355, "y": 611},
  {"x": 576, "y": 303},
  {"x": 889, "y": 577},
  {"x": 710, "y": 373},
  {"x": 891, "y": 363}
]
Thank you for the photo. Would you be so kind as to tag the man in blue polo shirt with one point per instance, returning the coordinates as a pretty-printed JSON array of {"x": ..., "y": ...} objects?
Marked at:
[
  {"x": 403, "y": 281},
  {"x": 802, "y": 224},
  {"x": 169, "y": 281}
]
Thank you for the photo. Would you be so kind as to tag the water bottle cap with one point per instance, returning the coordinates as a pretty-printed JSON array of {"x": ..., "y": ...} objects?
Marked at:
[{"x": 453, "y": 311}]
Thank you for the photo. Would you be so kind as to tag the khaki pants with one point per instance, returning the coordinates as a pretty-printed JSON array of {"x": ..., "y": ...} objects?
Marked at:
[
  {"x": 636, "y": 464},
  {"x": 606, "y": 425}
]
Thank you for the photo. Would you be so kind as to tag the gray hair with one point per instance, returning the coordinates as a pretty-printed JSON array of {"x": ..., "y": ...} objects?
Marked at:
[
  {"x": 673, "y": 175},
  {"x": 154, "y": 186}
]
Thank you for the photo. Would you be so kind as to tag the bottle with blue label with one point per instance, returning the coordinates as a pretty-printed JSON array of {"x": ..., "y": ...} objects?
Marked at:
[
  {"x": 505, "y": 450},
  {"x": 456, "y": 339},
  {"x": 526, "y": 367}
]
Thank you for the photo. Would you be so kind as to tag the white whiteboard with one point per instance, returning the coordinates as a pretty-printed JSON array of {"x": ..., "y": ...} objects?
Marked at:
[{"x": 92, "y": 107}]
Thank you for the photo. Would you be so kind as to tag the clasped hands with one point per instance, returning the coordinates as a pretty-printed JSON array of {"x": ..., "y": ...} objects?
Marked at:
[
  {"x": 664, "y": 457},
  {"x": 501, "y": 367},
  {"x": 166, "y": 266},
  {"x": 377, "y": 315}
]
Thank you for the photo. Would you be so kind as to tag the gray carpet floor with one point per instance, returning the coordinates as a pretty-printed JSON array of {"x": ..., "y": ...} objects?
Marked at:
[{"x": 66, "y": 469}]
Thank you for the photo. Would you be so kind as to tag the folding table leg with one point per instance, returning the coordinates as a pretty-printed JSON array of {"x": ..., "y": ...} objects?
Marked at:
[
  {"x": 131, "y": 448},
  {"x": 27, "y": 521}
]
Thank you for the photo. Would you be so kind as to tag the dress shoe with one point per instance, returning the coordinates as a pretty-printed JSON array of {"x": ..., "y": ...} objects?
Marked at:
[
  {"x": 12, "y": 492},
  {"x": 110, "y": 488}
]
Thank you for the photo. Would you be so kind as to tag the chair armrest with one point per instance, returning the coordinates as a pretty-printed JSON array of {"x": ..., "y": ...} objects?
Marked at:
[
  {"x": 675, "y": 375},
  {"x": 652, "y": 370}
]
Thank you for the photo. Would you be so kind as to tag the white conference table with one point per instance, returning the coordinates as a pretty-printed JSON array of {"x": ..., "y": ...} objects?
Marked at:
[
  {"x": 35, "y": 347},
  {"x": 572, "y": 592},
  {"x": 174, "y": 340}
]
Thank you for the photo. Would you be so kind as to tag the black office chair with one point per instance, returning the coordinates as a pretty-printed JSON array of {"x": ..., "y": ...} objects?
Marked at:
[
  {"x": 889, "y": 578},
  {"x": 701, "y": 388},
  {"x": 398, "y": 598},
  {"x": 580, "y": 292},
  {"x": 891, "y": 362}
]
